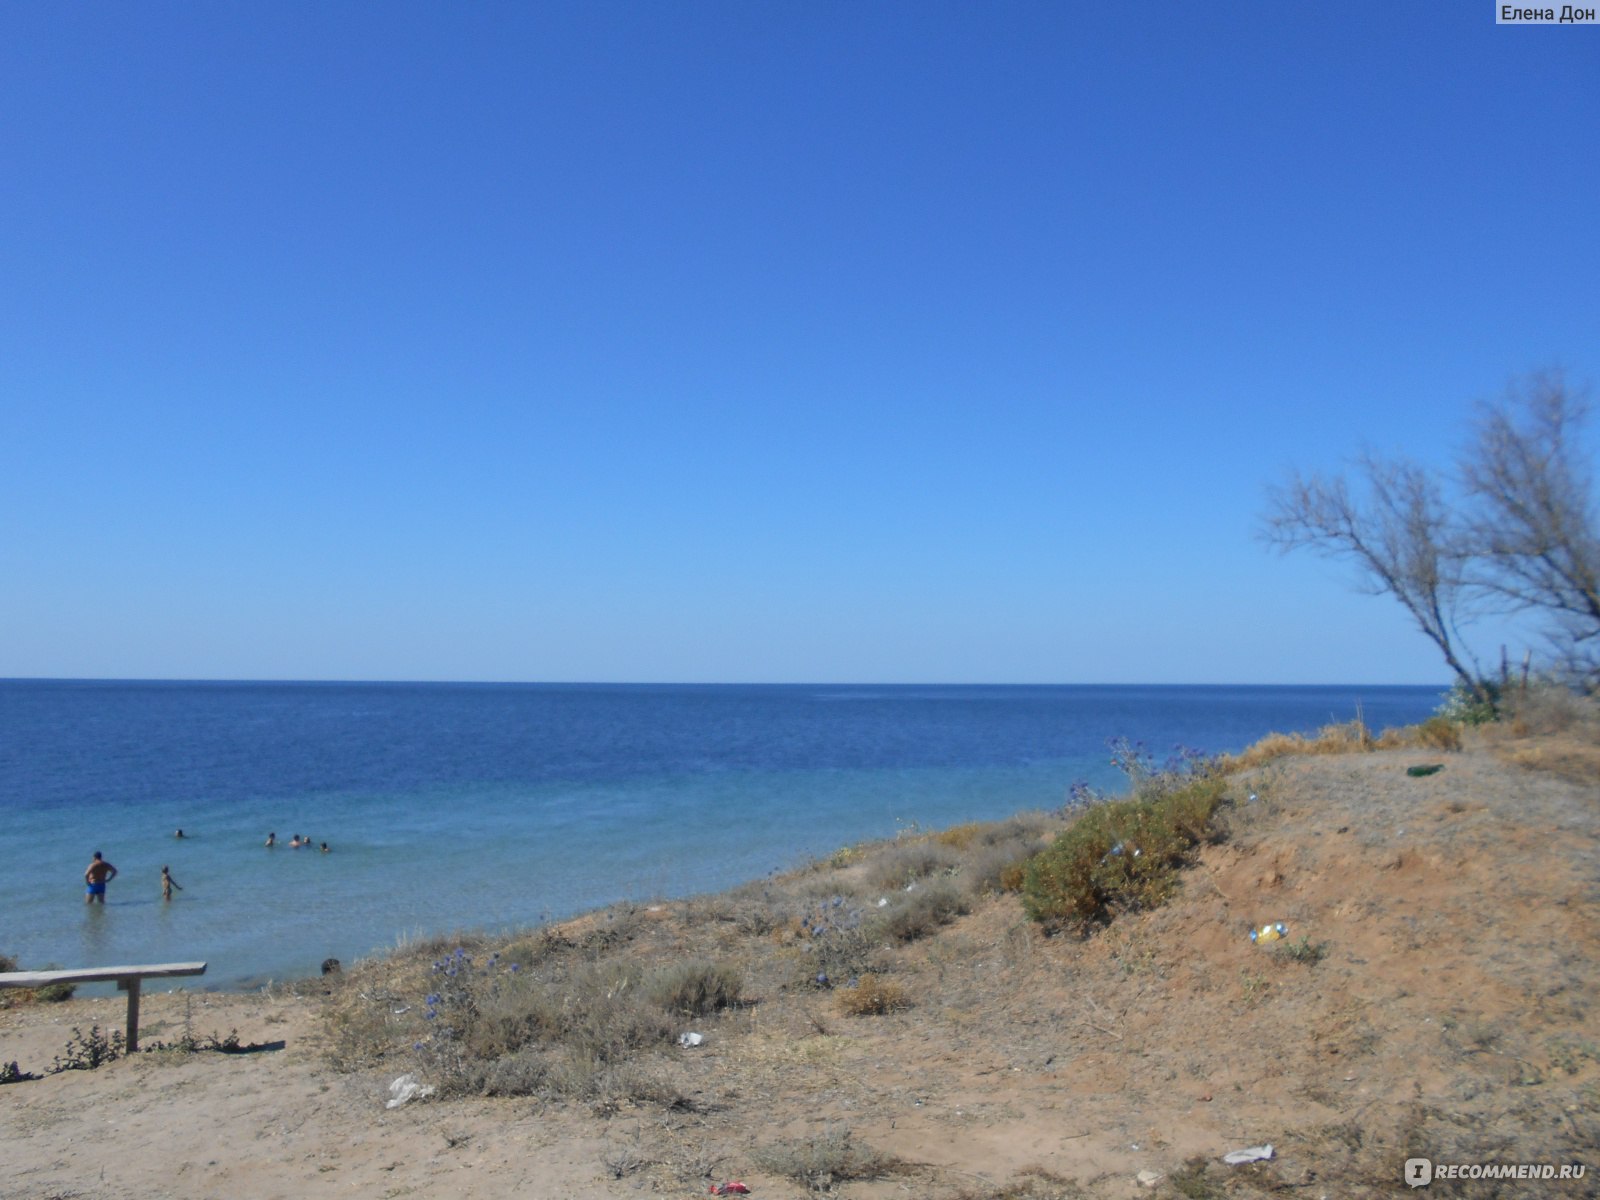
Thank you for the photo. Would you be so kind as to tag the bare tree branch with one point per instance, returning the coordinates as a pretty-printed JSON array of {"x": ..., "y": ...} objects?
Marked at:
[
  {"x": 1400, "y": 536},
  {"x": 1525, "y": 539},
  {"x": 1532, "y": 530}
]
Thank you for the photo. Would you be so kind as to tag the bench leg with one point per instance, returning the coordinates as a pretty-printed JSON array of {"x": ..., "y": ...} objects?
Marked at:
[{"x": 131, "y": 986}]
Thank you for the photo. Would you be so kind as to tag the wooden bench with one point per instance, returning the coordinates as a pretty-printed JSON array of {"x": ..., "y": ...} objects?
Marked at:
[{"x": 127, "y": 979}]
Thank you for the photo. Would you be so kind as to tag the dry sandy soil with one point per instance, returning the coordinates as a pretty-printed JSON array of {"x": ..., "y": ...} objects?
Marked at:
[{"x": 1452, "y": 1015}]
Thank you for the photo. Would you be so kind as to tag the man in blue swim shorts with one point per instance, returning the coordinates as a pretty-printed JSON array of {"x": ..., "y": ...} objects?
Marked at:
[{"x": 98, "y": 874}]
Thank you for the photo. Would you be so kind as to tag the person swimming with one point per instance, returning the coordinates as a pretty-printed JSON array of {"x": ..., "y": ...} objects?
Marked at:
[{"x": 272, "y": 840}]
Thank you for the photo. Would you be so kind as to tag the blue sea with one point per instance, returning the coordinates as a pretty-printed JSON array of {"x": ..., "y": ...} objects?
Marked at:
[{"x": 461, "y": 806}]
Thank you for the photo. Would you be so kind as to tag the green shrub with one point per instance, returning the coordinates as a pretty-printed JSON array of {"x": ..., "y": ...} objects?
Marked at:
[
  {"x": 1122, "y": 854},
  {"x": 55, "y": 993},
  {"x": 50, "y": 993},
  {"x": 87, "y": 1052},
  {"x": 1465, "y": 706},
  {"x": 10, "y": 1072},
  {"x": 1304, "y": 951}
]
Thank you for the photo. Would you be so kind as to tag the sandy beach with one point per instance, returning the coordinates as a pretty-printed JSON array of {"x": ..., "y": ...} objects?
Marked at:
[{"x": 1449, "y": 1013}]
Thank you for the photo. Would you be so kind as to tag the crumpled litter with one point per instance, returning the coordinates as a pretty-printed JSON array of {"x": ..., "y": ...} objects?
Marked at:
[
  {"x": 689, "y": 1040},
  {"x": 1249, "y": 1154},
  {"x": 407, "y": 1088},
  {"x": 732, "y": 1188}
]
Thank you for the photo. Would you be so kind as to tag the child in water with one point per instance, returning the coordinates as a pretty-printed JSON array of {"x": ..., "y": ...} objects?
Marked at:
[{"x": 167, "y": 884}]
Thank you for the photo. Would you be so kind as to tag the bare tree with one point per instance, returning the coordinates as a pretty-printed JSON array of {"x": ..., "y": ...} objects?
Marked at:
[
  {"x": 1525, "y": 540},
  {"x": 1531, "y": 533},
  {"x": 1399, "y": 533}
]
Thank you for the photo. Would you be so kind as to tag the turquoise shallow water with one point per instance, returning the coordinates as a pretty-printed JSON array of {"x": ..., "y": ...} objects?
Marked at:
[{"x": 477, "y": 806}]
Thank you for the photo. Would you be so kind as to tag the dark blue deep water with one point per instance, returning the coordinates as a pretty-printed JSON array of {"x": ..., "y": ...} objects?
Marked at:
[{"x": 451, "y": 806}]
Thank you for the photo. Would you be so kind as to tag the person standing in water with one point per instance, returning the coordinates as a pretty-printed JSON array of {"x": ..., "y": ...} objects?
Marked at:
[
  {"x": 168, "y": 883},
  {"x": 95, "y": 877}
]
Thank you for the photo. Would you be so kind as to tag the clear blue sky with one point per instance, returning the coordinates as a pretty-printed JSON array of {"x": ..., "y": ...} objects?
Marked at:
[{"x": 753, "y": 341}]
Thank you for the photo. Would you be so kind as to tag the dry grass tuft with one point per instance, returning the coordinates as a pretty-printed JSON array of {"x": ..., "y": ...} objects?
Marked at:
[
  {"x": 873, "y": 996},
  {"x": 959, "y": 837},
  {"x": 696, "y": 989},
  {"x": 1346, "y": 737},
  {"x": 909, "y": 860},
  {"x": 1032, "y": 1183},
  {"x": 918, "y": 913},
  {"x": 1547, "y": 727},
  {"x": 1578, "y": 761},
  {"x": 1438, "y": 733},
  {"x": 1545, "y": 710},
  {"x": 818, "y": 1163},
  {"x": 1543, "y": 726},
  {"x": 996, "y": 869}
]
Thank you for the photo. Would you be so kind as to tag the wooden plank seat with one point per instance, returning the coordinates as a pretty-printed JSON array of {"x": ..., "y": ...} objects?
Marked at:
[{"x": 127, "y": 979}]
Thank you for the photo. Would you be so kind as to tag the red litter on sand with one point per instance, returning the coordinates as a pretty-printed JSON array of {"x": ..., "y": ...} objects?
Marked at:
[{"x": 730, "y": 1189}]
